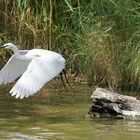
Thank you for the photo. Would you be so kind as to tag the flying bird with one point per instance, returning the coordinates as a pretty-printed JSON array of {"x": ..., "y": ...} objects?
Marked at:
[{"x": 36, "y": 67}]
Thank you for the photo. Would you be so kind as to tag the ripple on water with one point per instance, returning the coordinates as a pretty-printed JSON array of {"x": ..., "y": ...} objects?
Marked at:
[{"x": 59, "y": 114}]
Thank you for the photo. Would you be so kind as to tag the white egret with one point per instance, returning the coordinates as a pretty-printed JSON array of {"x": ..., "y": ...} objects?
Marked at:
[{"x": 36, "y": 67}]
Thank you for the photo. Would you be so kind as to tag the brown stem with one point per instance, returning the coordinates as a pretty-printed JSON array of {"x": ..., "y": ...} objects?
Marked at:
[{"x": 50, "y": 27}]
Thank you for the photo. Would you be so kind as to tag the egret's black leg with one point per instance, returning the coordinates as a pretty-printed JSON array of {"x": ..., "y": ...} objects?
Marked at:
[
  {"x": 61, "y": 76},
  {"x": 64, "y": 72}
]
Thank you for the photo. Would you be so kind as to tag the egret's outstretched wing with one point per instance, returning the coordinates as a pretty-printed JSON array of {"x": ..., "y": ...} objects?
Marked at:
[
  {"x": 40, "y": 71},
  {"x": 12, "y": 70}
]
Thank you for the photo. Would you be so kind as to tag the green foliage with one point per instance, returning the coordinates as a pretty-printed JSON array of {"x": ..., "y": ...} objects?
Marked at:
[{"x": 99, "y": 38}]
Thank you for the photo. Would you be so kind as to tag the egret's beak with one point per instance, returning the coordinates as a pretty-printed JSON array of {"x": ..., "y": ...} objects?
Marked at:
[{"x": 2, "y": 47}]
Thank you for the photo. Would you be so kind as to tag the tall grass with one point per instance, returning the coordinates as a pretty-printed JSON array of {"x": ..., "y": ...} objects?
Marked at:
[{"x": 99, "y": 38}]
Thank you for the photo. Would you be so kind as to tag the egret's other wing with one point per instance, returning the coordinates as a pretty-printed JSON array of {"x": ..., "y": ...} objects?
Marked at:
[
  {"x": 40, "y": 71},
  {"x": 12, "y": 70}
]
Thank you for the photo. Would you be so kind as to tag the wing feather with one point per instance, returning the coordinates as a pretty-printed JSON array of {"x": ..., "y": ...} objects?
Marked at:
[
  {"x": 12, "y": 70},
  {"x": 40, "y": 71}
]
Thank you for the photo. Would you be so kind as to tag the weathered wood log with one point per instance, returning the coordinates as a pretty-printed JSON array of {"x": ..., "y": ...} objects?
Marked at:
[{"x": 106, "y": 103}]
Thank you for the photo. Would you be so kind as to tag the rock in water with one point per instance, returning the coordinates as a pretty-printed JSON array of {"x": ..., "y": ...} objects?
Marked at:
[{"x": 106, "y": 103}]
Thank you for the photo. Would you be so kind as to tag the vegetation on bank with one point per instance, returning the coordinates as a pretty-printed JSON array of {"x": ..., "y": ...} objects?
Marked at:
[{"x": 99, "y": 38}]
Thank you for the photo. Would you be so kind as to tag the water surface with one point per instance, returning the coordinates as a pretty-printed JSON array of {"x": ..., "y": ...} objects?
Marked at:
[{"x": 56, "y": 113}]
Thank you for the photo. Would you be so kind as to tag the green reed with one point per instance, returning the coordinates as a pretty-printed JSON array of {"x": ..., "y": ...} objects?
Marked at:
[{"x": 99, "y": 38}]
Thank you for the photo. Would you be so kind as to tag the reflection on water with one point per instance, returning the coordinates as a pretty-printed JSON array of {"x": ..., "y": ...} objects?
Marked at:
[{"x": 58, "y": 114}]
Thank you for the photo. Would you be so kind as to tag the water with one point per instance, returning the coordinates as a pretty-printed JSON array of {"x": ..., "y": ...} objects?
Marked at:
[{"x": 59, "y": 114}]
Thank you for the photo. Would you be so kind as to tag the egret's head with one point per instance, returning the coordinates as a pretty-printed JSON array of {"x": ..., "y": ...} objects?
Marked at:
[{"x": 10, "y": 46}]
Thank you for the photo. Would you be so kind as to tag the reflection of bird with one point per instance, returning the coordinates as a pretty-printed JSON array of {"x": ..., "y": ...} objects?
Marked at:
[{"x": 37, "y": 67}]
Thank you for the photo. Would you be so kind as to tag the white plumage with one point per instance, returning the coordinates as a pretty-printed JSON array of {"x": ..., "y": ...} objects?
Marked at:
[{"x": 36, "y": 67}]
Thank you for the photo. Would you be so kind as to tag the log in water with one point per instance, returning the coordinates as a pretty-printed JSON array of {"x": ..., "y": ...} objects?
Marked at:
[{"x": 106, "y": 103}]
